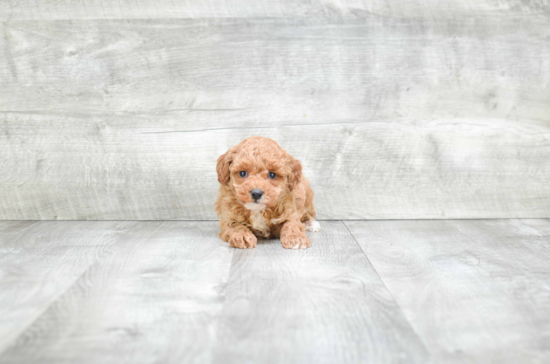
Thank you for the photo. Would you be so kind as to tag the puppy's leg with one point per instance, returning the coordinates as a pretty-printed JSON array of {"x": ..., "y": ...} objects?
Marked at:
[
  {"x": 293, "y": 235},
  {"x": 238, "y": 235}
]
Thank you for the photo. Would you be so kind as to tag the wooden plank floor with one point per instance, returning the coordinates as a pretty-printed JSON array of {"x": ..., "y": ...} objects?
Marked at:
[{"x": 367, "y": 291}]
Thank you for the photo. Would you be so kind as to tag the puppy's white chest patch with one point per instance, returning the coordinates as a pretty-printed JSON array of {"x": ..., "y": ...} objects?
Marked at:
[
  {"x": 254, "y": 206},
  {"x": 259, "y": 223}
]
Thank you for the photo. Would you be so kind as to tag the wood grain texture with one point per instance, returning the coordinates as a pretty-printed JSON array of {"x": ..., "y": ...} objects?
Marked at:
[
  {"x": 395, "y": 170},
  {"x": 154, "y": 298},
  {"x": 124, "y": 9},
  {"x": 149, "y": 292},
  {"x": 421, "y": 118},
  {"x": 212, "y": 73},
  {"x": 39, "y": 261},
  {"x": 325, "y": 304},
  {"x": 542, "y": 225},
  {"x": 474, "y": 291}
]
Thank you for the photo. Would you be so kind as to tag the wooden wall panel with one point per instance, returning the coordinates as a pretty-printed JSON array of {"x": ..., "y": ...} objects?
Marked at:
[
  {"x": 132, "y": 9},
  {"x": 76, "y": 169},
  {"x": 392, "y": 117},
  {"x": 233, "y": 73}
]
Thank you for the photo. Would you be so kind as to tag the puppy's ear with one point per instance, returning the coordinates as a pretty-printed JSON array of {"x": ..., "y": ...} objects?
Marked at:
[
  {"x": 295, "y": 176},
  {"x": 223, "y": 167}
]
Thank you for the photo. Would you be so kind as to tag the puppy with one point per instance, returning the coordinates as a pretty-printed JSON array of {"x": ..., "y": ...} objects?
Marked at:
[{"x": 263, "y": 195}]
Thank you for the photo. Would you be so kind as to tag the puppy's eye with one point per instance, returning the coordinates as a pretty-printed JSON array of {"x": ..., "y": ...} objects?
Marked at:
[
  {"x": 272, "y": 175},
  {"x": 242, "y": 174}
]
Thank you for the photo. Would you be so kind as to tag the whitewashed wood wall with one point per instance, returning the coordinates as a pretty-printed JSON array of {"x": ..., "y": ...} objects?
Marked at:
[{"x": 397, "y": 109}]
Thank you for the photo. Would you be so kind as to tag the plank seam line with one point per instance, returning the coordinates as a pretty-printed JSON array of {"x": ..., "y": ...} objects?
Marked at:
[
  {"x": 256, "y": 127},
  {"x": 46, "y": 308},
  {"x": 428, "y": 352},
  {"x": 216, "y": 341},
  {"x": 279, "y": 18}
]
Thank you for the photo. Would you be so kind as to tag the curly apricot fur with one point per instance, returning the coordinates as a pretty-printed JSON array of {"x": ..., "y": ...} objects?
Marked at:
[{"x": 287, "y": 200}]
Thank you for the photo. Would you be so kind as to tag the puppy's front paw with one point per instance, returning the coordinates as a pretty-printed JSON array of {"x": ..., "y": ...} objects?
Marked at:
[
  {"x": 295, "y": 242},
  {"x": 243, "y": 240}
]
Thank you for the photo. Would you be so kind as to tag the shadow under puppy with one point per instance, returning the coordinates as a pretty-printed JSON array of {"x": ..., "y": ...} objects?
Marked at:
[{"x": 263, "y": 195}]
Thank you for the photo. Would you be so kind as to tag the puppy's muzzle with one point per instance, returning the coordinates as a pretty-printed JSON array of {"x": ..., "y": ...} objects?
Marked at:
[{"x": 256, "y": 194}]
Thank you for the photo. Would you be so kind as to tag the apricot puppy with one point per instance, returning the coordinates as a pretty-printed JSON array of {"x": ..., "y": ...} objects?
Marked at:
[{"x": 263, "y": 195}]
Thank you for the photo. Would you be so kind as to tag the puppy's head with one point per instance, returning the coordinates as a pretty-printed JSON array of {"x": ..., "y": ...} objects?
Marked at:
[{"x": 258, "y": 172}]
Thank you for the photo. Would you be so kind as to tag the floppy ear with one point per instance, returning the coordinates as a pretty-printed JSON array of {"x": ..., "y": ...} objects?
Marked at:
[
  {"x": 223, "y": 167},
  {"x": 295, "y": 176}
]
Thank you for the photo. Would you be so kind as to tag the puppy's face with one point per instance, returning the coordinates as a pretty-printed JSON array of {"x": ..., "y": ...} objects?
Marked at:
[
  {"x": 257, "y": 183},
  {"x": 258, "y": 172}
]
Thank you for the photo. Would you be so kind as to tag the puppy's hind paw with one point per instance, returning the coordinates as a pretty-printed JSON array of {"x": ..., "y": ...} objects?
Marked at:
[{"x": 312, "y": 225}]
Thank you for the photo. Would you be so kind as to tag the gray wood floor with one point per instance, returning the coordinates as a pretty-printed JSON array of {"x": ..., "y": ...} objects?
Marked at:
[{"x": 367, "y": 291}]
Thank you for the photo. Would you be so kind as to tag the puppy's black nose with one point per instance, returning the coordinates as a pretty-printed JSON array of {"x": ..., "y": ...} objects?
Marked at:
[{"x": 256, "y": 194}]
